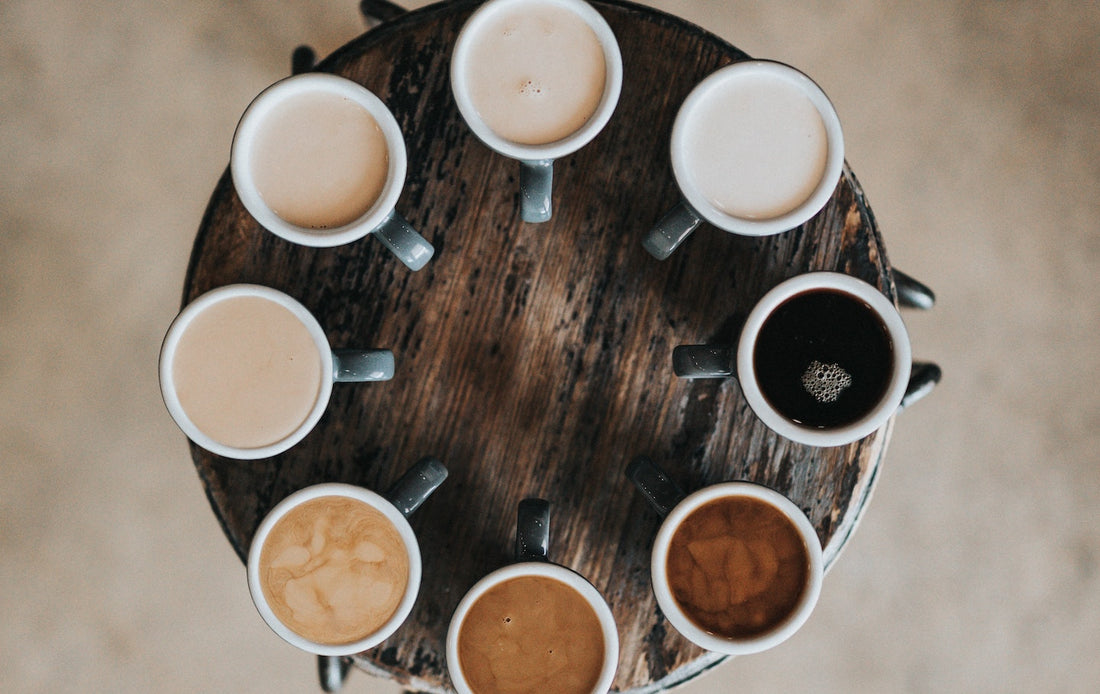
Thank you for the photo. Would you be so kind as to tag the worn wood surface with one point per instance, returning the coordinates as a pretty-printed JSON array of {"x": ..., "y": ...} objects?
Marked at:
[{"x": 535, "y": 360}]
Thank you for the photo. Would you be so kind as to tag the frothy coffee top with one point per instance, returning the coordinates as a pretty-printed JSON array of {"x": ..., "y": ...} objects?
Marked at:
[
  {"x": 536, "y": 73},
  {"x": 334, "y": 570},
  {"x": 756, "y": 146},
  {"x": 247, "y": 372},
  {"x": 737, "y": 567},
  {"x": 531, "y": 635},
  {"x": 320, "y": 160}
]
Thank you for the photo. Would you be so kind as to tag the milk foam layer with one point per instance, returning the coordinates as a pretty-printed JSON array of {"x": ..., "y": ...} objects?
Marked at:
[
  {"x": 334, "y": 570},
  {"x": 531, "y": 635},
  {"x": 536, "y": 73},
  {"x": 320, "y": 160},
  {"x": 756, "y": 146},
  {"x": 247, "y": 372}
]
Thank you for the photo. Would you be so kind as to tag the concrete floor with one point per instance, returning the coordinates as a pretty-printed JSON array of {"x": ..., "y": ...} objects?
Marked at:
[{"x": 973, "y": 128}]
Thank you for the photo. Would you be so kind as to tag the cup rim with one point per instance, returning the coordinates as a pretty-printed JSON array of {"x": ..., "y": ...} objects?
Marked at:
[
  {"x": 548, "y": 570},
  {"x": 834, "y": 160},
  {"x": 244, "y": 139},
  {"x": 180, "y": 324},
  {"x": 613, "y": 64},
  {"x": 372, "y": 499},
  {"x": 676, "y": 615},
  {"x": 899, "y": 378}
]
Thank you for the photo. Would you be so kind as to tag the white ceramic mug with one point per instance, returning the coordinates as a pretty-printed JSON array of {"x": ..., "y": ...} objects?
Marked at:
[
  {"x": 325, "y": 146},
  {"x": 404, "y": 497},
  {"x": 756, "y": 149},
  {"x": 671, "y": 503},
  {"x": 532, "y": 543},
  {"x": 723, "y": 361},
  {"x": 536, "y": 160},
  {"x": 247, "y": 370}
]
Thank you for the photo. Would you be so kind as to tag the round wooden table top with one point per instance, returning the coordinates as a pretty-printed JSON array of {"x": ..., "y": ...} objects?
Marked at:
[{"x": 535, "y": 359}]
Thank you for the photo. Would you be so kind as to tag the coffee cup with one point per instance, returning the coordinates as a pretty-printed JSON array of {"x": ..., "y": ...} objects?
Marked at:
[
  {"x": 736, "y": 567},
  {"x": 246, "y": 371},
  {"x": 319, "y": 160},
  {"x": 533, "y": 625},
  {"x": 823, "y": 359},
  {"x": 335, "y": 569},
  {"x": 536, "y": 80},
  {"x": 756, "y": 150}
]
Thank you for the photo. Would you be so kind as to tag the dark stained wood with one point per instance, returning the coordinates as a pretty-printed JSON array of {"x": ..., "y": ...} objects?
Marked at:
[{"x": 535, "y": 360}]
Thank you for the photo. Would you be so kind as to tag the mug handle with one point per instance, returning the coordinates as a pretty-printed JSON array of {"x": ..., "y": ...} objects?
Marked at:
[
  {"x": 911, "y": 293},
  {"x": 359, "y": 365},
  {"x": 416, "y": 485},
  {"x": 533, "y": 530},
  {"x": 654, "y": 484},
  {"x": 410, "y": 247},
  {"x": 536, "y": 183},
  {"x": 671, "y": 230}
]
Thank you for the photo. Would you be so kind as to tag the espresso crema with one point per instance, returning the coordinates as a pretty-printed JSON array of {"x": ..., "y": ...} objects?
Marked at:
[{"x": 737, "y": 567}]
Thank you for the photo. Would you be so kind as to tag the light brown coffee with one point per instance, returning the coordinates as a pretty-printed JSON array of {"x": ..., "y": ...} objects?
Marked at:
[
  {"x": 247, "y": 372},
  {"x": 334, "y": 570},
  {"x": 531, "y": 635},
  {"x": 536, "y": 72},
  {"x": 320, "y": 160},
  {"x": 737, "y": 567}
]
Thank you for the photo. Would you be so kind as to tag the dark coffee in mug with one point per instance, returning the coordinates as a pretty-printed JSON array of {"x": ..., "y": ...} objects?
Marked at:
[
  {"x": 823, "y": 359},
  {"x": 737, "y": 567}
]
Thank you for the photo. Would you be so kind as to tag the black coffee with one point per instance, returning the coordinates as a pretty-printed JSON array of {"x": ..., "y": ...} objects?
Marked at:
[{"x": 823, "y": 359}]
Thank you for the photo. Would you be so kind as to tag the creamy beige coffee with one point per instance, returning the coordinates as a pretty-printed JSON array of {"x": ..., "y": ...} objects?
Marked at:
[
  {"x": 334, "y": 570},
  {"x": 536, "y": 72},
  {"x": 247, "y": 372},
  {"x": 319, "y": 160},
  {"x": 531, "y": 635},
  {"x": 756, "y": 146},
  {"x": 737, "y": 567}
]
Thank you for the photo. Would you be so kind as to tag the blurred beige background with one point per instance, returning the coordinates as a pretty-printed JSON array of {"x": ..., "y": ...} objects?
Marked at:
[{"x": 973, "y": 126}]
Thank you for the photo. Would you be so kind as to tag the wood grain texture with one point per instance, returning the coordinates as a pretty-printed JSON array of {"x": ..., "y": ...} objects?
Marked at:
[{"x": 535, "y": 360}]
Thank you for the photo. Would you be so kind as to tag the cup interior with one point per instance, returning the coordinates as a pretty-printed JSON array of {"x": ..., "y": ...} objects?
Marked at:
[
  {"x": 537, "y": 569},
  {"x": 378, "y": 503},
  {"x": 167, "y": 363},
  {"x": 691, "y": 121},
  {"x": 676, "y": 613},
  {"x": 460, "y": 82},
  {"x": 895, "y": 387},
  {"x": 252, "y": 125}
]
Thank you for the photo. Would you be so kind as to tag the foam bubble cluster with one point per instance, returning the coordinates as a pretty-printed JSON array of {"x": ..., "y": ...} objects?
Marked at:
[
  {"x": 825, "y": 382},
  {"x": 530, "y": 88}
]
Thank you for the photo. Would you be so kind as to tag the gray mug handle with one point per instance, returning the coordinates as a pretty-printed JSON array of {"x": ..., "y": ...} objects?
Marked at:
[
  {"x": 704, "y": 361},
  {"x": 410, "y": 247},
  {"x": 416, "y": 485},
  {"x": 533, "y": 530},
  {"x": 671, "y": 230},
  {"x": 656, "y": 486},
  {"x": 536, "y": 184},
  {"x": 359, "y": 365}
]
